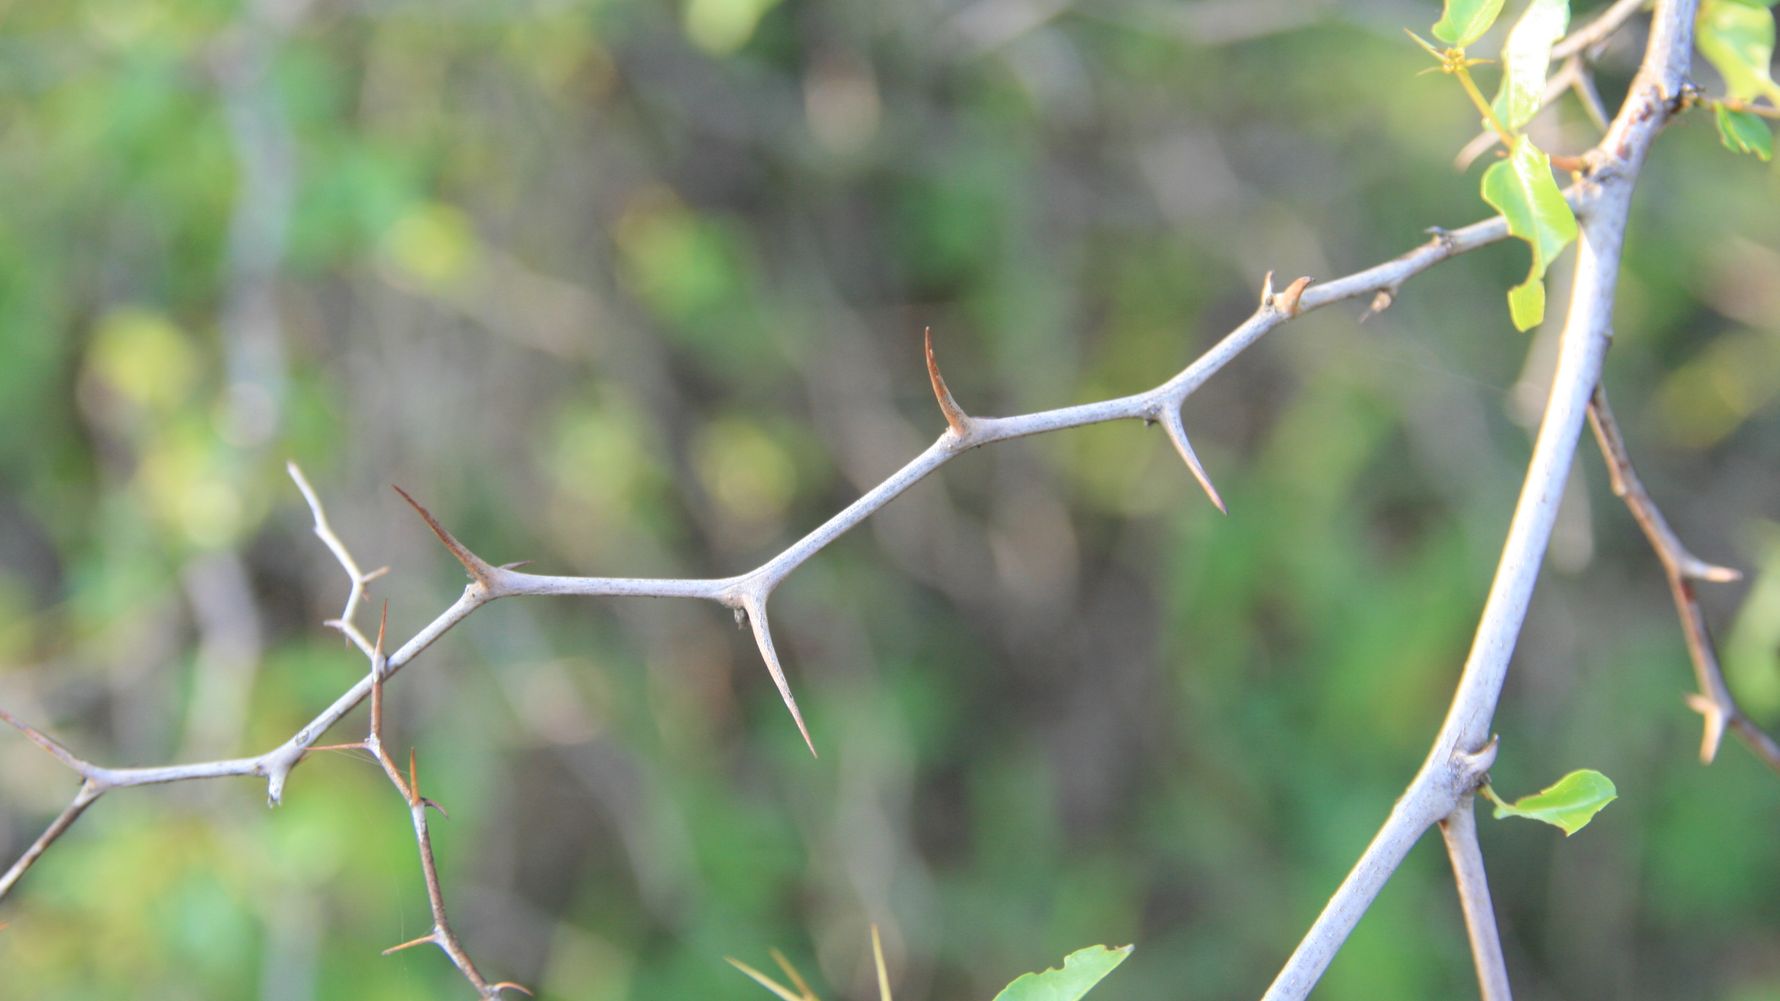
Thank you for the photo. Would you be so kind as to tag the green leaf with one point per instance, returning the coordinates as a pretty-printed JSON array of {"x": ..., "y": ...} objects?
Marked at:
[
  {"x": 1465, "y": 21},
  {"x": 1525, "y": 58},
  {"x": 1742, "y": 132},
  {"x": 1569, "y": 803},
  {"x": 1737, "y": 37},
  {"x": 1522, "y": 189},
  {"x": 1081, "y": 970}
]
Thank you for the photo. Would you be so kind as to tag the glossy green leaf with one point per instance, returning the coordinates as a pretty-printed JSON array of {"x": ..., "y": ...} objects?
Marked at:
[
  {"x": 1081, "y": 970},
  {"x": 1737, "y": 38},
  {"x": 1522, "y": 189},
  {"x": 1569, "y": 803},
  {"x": 1465, "y": 21},
  {"x": 1525, "y": 58},
  {"x": 1742, "y": 132}
]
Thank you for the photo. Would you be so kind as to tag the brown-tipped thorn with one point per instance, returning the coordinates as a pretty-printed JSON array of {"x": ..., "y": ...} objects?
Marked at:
[
  {"x": 424, "y": 801},
  {"x": 474, "y": 565},
  {"x": 382, "y": 628},
  {"x": 508, "y": 985},
  {"x": 1716, "y": 720},
  {"x": 413, "y": 781},
  {"x": 1699, "y": 569},
  {"x": 357, "y": 745},
  {"x": 956, "y": 418},
  {"x": 763, "y": 637},
  {"x": 877, "y": 954},
  {"x": 778, "y": 989},
  {"x": 430, "y": 937},
  {"x": 797, "y": 981},
  {"x": 1287, "y": 302},
  {"x": 1177, "y": 433},
  {"x": 44, "y": 741}
]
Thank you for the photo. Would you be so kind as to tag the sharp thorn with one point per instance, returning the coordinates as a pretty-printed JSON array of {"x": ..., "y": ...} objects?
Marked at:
[
  {"x": 877, "y": 954},
  {"x": 797, "y": 981},
  {"x": 956, "y": 418},
  {"x": 49, "y": 744},
  {"x": 380, "y": 662},
  {"x": 1177, "y": 433},
  {"x": 779, "y": 990},
  {"x": 432, "y": 936},
  {"x": 1716, "y": 718},
  {"x": 424, "y": 801},
  {"x": 763, "y": 637},
  {"x": 1266, "y": 290},
  {"x": 508, "y": 985},
  {"x": 474, "y": 565},
  {"x": 413, "y": 781},
  {"x": 1287, "y": 301}
]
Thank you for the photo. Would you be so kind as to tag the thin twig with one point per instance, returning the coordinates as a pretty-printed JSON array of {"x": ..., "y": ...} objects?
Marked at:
[
  {"x": 1682, "y": 569},
  {"x": 1459, "y": 830}
]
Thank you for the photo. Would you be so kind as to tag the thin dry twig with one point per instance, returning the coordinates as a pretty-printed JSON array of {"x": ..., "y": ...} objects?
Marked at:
[{"x": 1682, "y": 569}]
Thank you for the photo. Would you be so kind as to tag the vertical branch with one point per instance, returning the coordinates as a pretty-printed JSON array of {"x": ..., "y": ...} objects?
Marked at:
[
  {"x": 1682, "y": 569},
  {"x": 1459, "y": 829}
]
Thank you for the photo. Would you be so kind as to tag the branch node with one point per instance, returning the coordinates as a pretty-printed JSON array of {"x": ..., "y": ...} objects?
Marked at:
[{"x": 956, "y": 418}]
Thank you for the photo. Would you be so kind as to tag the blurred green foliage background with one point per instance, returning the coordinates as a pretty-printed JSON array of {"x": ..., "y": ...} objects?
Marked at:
[{"x": 637, "y": 288}]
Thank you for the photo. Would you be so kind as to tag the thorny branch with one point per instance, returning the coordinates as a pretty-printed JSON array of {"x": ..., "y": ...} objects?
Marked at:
[
  {"x": 1462, "y": 752},
  {"x": 745, "y": 593},
  {"x": 1682, "y": 568}
]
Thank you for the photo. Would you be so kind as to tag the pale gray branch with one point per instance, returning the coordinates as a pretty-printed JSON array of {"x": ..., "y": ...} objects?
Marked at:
[
  {"x": 1449, "y": 773},
  {"x": 1459, "y": 829}
]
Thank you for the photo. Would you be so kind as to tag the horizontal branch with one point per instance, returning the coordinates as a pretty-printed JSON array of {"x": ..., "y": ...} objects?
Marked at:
[{"x": 747, "y": 593}]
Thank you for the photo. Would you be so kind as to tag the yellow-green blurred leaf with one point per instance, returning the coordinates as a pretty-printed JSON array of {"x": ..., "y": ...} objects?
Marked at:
[
  {"x": 1568, "y": 804},
  {"x": 1525, "y": 58},
  {"x": 1522, "y": 189},
  {"x": 1737, "y": 38},
  {"x": 1465, "y": 21}
]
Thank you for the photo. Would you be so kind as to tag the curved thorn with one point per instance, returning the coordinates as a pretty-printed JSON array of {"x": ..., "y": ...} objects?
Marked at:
[
  {"x": 1716, "y": 718},
  {"x": 474, "y": 565},
  {"x": 1698, "y": 569},
  {"x": 1267, "y": 290},
  {"x": 48, "y": 743},
  {"x": 763, "y": 637},
  {"x": 1177, "y": 433},
  {"x": 956, "y": 418},
  {"x": 508, "y": 985},
  {"x": 1287, "y": 301},
  {"x": 424, "y": 801}
]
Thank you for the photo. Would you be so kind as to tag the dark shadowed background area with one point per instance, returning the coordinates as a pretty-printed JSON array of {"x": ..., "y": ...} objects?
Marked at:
[{"x": 638, "y": 289}]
